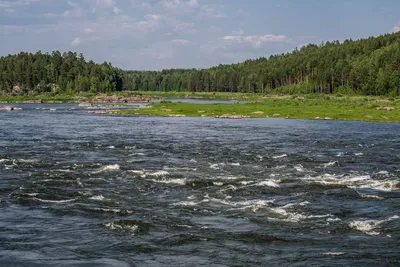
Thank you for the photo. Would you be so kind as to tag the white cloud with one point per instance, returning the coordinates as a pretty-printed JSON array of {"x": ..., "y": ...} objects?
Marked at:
[
  {"x": 116, "y": 10},
  {"x": 88, "y": 30},
  {"x": 106, "y": 3},
  {"x": 193, "y": 3},
  {"x": 76, "y": 41},
  {"x": 255, "y": 41},
  {"x": 181, "y": 42},
  {"x": 396, "y": 28}
]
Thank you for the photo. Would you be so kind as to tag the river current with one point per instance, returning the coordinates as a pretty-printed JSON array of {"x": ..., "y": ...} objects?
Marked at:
[{"x": 79, "y": 189}]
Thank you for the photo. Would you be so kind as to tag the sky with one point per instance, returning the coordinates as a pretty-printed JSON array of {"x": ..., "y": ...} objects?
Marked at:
[{"x": 162, "y": 34}]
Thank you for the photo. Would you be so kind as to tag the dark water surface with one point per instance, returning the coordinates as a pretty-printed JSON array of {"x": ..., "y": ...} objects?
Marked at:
[{"x": 78, "y": 189}]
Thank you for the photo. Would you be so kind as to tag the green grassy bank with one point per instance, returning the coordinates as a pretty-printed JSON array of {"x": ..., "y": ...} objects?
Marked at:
[{"x": 306, "y": 107}]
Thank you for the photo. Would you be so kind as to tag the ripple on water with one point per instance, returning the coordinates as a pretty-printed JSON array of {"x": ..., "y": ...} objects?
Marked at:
[{"x": 131, "y": 226}]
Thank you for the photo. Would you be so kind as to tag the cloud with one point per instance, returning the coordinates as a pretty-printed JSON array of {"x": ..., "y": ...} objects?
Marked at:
[
  {"x": 76, "y": 41},
  {"x": 255, "y": 41},
  {"x": 181, "y": 42},
  {"x": 396, "y": 28},
  {"x": 15, "y": 3}
]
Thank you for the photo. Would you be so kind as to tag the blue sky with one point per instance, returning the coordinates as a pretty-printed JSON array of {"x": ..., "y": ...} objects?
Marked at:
[{"x": 157, "y": 34}]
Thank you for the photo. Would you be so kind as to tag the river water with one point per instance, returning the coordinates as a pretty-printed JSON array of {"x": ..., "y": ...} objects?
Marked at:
[{"x": 79, "y": 189}]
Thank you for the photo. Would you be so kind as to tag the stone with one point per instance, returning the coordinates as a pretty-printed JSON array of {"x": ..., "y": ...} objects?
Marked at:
[
  {"x": 385, "y": 108},
  {"x": 7, "y": 108},
  {"x": 231, "y": 116}
]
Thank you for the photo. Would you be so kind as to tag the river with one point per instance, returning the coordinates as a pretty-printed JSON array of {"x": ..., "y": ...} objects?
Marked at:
[{"x": 79, "y": 189}]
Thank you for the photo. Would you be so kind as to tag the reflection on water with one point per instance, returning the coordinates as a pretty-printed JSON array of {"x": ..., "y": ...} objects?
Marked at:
[{"x": 94, "y": 190}]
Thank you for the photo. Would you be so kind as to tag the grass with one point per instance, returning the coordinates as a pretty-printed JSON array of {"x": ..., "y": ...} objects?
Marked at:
[
  {"x": 308, "y": 106},
  {"x": 305, "y": 107}
]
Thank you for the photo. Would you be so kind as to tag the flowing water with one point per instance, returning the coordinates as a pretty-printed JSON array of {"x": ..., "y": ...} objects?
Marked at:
[{"x": 79, "y": 189}]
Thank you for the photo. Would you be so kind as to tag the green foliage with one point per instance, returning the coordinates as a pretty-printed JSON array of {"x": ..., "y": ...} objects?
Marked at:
[
  {"x": 32, "y": 74},
  {"x": 367, "y": 66}
]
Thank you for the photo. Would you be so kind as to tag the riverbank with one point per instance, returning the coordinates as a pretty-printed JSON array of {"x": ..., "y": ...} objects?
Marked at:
[
  {"x": 324, "y": 107},
  {"x": 301, "y": 107}
]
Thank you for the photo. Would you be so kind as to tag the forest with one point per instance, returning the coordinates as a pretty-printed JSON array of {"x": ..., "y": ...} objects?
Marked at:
[
  {"x": 31, "y": 74},
  {"x": 368, "y": 66}
]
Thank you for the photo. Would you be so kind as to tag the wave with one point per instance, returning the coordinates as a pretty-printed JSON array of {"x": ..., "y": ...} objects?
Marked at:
[
  {"x": 171, "y": 181},
  {"x": 159, "y": 173},
  {"x": 99, "y": 197},
  {"x": 53, "y": 201},
  {"x": 118, "y": 211},
  {"x": 353, "y": 181},
  {"x": 370, "y": 227},
  {"x": 331, "y": 164},
  {"x": 131, "y": 226},
  {"x": 269, "y": 183},
  {"x": 113, "y": 167},
  {"x": 280, "y": 156},
  {"x": 299, "y": 168}
]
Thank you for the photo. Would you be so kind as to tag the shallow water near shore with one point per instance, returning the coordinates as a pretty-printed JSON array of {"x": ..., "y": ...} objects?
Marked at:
[{"x": 79, "y": 189}]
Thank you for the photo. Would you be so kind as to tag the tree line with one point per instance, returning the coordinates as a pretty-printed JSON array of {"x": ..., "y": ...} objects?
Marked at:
[
  {"x": 28, "y": 73},
  {"x": 367, "y": 66}
]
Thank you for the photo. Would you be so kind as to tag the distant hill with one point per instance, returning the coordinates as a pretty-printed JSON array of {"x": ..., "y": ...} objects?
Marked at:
[{"x": 367, "y": 66}]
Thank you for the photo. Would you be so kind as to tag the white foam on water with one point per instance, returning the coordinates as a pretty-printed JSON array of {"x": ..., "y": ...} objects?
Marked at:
[
  {"x": 186, "y": 203},
  {"x": 290, "y": 205},
  {"x": 228, "y": 177},
  {"x": 113, "y": 167},
  {"x": 193, "y": 161},
  {"x": 159, "y": 173},
  {"x": 137, "y": 172},
  {"x": 340, "y": 154},
  {"x": 370, "y": 227},
  {"x": 358, "y": 154},
  {"x": 280, "y": 156},
  {"x": 246, "y": 182},
  {"x": 99, "y": 197},
  {"x": 331, "y": 164},
  {"x": 171, "y": 181},
  {"x": 333, "y": 253},
  {"x": 137, "y": 154},
  {"x": 111, "y": 147},
  {"x": 218, "y": 183},
  {"x": 184, "y": 226},
  {"x": 383, "y": 173},
  {"x": 235, "y": 164},
  {"x": 214, "y": 166},
  {"x": 353, "y": 181},
  {"x": 269, "y": 183},
  {"x": 53, "y": 201},
  {"x": 116, "y": 226},
  {"x": 3, "y": 160},
  {"x": 299, "y": 168},
  {"x": 27, "y": 160},
  {"x": 370, "y": 196},
  {"x": 112, "y": 210},
  {"x": 179, "y": 169}
]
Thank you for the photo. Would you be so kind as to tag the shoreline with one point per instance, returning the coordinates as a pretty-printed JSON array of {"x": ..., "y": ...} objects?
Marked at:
[{"x": 312, "y": 107}]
